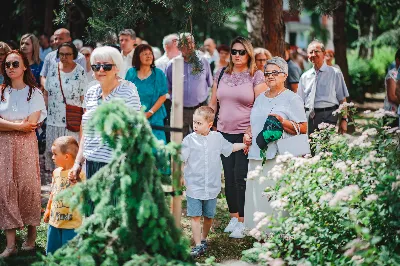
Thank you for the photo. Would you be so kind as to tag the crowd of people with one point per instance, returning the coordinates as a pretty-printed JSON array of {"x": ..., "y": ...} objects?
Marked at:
[{"x": 59, "y": 84}]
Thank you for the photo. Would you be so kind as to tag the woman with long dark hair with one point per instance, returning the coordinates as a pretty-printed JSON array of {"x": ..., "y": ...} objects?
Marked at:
[
  {"x": 22, "y": 107},
  {"x": 151, "y": 84}
]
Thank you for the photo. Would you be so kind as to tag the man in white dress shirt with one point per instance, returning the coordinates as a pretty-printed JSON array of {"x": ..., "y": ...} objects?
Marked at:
[
  {"x": 170, "y": 44},
  {"x": 127, "y": 40},
  {"x": 322, "y": 89}
]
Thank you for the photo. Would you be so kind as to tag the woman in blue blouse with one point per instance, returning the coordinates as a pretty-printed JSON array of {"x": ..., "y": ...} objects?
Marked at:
[
  {"x": 152, "y": 87},
  {"x": 29, "y": 45}
]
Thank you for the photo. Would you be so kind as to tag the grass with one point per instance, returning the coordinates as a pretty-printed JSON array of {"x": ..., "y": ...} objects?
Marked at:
[{"x": 220, "y": 245}]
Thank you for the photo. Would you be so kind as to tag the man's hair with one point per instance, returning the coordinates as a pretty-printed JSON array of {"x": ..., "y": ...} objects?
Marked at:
[
  {"x": 169, "y": 38},
  {"x": 63, "y": 31},
  {"x": 67, "y": 145},
  {"x": 206, "y": 112},
  {"x": 315, "y": 41},
  {"x": 128, "y": 32}
]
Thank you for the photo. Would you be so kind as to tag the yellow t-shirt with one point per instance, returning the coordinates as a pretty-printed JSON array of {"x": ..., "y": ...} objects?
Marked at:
[{"x": 60, "y": 214}]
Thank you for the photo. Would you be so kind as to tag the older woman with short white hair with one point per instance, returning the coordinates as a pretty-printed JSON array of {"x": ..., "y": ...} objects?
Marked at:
[
  {"x": 288, "y": 108},
  {"x": 106, "y": 62}
]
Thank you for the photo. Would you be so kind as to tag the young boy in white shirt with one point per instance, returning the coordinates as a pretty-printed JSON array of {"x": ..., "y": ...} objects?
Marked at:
[{"x": 201, "y": 154}]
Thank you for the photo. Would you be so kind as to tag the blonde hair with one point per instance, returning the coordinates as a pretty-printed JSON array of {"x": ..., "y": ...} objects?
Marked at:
[
  {"x": 206, "y": 112},
  {"x": 5, "y": 47},
  {"x": 264, "y": 51},
  {"x": 35, "y": 46},
  {"x": 250, "y": 52},
  {"x": 67, "y": 145}
]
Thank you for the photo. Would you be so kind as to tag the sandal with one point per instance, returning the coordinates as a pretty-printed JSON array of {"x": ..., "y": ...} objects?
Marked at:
[
  {"x": 26, "y": 247},
  {"x": 8, "y": 252}
]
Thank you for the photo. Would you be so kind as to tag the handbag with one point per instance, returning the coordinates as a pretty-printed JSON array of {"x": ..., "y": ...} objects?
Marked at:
[
  {"x": 73, "y": 113},
  {"x": 297, "y": 145}
]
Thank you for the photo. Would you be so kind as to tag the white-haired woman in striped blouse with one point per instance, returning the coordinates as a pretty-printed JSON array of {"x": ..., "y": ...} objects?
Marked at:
[{"x": 106, "y": 62}]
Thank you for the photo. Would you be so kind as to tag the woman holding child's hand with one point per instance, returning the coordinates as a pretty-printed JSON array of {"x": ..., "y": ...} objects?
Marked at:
[
  {"x": 106, "y": 62},
  {"x": 21, "y": 108}
]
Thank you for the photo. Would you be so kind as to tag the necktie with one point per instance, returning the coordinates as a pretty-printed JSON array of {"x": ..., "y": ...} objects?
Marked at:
[{"x": 312, "y": 95}]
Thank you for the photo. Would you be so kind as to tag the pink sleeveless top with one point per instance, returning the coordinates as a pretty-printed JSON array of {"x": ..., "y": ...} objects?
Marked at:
[{"x": 235, "y": 94}]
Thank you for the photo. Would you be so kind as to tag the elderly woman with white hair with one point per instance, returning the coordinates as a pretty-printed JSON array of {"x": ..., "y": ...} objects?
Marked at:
[
  {"x": 106, "y": 63},
  {"x": 288, "y": 108}
]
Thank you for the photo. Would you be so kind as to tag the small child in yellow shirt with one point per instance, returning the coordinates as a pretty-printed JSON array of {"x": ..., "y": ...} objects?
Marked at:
[{"x": 62, "y": 221}]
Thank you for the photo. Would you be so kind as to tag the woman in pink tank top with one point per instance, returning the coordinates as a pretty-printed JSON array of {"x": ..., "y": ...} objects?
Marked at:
[{"x": 238, "y": 87}]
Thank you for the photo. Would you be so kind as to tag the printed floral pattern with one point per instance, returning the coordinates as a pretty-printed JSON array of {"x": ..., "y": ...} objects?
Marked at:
[{"x": 236, "y": 79}]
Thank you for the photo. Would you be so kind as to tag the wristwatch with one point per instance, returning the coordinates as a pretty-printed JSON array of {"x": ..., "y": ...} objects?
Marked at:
[{"x": 345, "y": 119}]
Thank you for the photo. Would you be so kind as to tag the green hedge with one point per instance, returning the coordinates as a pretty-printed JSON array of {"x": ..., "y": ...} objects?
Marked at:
[{"x": 368, "y": 75}]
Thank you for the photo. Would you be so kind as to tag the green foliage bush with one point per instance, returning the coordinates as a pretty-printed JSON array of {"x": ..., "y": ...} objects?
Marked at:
[
  {"x": 368, "y": 75},
  {"x": 342, "y": 204},
  {"x": 131, "y": 223}
]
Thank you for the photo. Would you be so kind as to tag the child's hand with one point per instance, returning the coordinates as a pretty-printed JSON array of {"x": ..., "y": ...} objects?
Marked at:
[
  {"x": 46, "y": 216},
  {"x": 246, "y": 150}
]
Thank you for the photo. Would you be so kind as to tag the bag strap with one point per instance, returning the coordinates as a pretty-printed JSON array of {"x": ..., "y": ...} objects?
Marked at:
[
  {"x": 59, "y": 79},
  {"x": 295, "y": 128},
  {"x": 220, "y": 75}
]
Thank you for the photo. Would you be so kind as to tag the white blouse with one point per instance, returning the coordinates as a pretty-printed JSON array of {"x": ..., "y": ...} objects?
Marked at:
[
  {"x": 202, "y": 158},
  {"x": 288, "y": 105},
  {"x": 74, "y": 85},
  {"x": 16, "y": 105}
]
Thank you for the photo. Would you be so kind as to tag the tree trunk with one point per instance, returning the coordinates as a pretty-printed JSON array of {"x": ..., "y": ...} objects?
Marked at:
[
  {"x": 255, "y": 22},
  {"x": 274, "y": 27},
  {"x": 365, "y": 18},
  {"x": 340, "y": 41},
  {"x": 48, "y": 17},
  {"x": 27, "y": 16}
]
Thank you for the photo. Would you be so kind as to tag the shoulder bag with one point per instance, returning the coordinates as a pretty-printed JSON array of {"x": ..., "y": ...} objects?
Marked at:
[
  {"x": 217, "y": 112},
  {"x": 73, "y": 113},
  {"x": 296, "y": 145}
]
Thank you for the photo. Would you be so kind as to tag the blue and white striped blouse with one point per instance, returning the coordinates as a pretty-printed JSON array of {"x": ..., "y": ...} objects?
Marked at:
[{"x": 94, "y": 148}]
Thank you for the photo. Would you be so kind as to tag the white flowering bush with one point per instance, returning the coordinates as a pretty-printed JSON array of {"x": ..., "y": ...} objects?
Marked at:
[{"x": 340, "y": 207}]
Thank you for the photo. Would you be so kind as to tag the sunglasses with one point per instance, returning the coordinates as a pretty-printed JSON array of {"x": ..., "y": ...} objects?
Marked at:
[
  {"x": 240, "y": 52},
  {"x": 14, "y": 64},
  {"x": 106, "y": 67},
  {"x": 273, "y": 73}
]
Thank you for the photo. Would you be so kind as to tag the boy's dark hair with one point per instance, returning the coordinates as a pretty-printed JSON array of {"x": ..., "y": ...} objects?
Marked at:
[
  {"x": 206, "y": 112},
  {"x": 67, "y": 145}
]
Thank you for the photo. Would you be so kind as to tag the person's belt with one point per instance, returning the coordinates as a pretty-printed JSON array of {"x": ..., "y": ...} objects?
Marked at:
[
  {"x": 195, "y": 107},
  {"x": 326, "y": 109}
]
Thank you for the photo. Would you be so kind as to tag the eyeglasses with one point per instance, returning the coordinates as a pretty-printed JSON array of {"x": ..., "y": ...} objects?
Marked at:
[
  {"x": 240, "y": 52},
  {"x": 106, "y": 67},
  {"x": 314, "y": 52},
  {"x": 273, "y": 73},
  {"x": 64, "y": 55},
  {"x": 14, "y": 64}
]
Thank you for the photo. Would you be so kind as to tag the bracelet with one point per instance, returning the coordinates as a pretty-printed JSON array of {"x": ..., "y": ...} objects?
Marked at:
[{"x": 151, "y": 112}]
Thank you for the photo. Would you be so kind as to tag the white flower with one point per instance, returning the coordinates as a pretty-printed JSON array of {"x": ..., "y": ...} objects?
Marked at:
[
  {"x": 357, "y": 259},
  {"x": 268, "y": 245},
  {"x": 299, "y": 228},
  {"x": 367, "y": 111},
  {"x": 276, "y": 262},
  {"x": 265, "y": 256},
  {"x": 344, "y": 194},
  {"x": 342, "y": 107},
  {"x": 284, "y": 158},
  {"x": 258, "y": 216},
  {"x": 264, "y": 222},
  {"x": 370, "y": 132},
  {"x": 279, "y": 204},
  {"x": 323, "y": 125},
  {"x": 327, "y": 197},
  {"x": 381, "y": 113},
  {"x": 371, "y": 197},
  {"x": 395, "y": 185},
  {"x": 276, "y": 172},
  {"x": 341, "y": 166},
  {"x": 251, "y": 175}
]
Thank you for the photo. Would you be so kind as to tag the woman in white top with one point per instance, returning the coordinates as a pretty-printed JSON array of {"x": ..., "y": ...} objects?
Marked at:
[
  {"x": 73, "y": 84},
  {"x": 106, "y": 63},
  {"x": 286, "y": 106},
  {"x": 22, "y": 107}
]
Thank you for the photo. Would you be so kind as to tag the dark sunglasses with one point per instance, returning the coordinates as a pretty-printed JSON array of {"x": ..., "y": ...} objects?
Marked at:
[
  {"x": 273, "y": 73},
  {"x": 106, "y": 67},
  {"x": 14, "y": 64},
  {"x": 235, "y": 52}
]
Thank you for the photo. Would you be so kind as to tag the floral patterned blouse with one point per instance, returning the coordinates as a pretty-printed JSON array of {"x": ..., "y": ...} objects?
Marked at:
[{"x": 74, "y": 86}]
